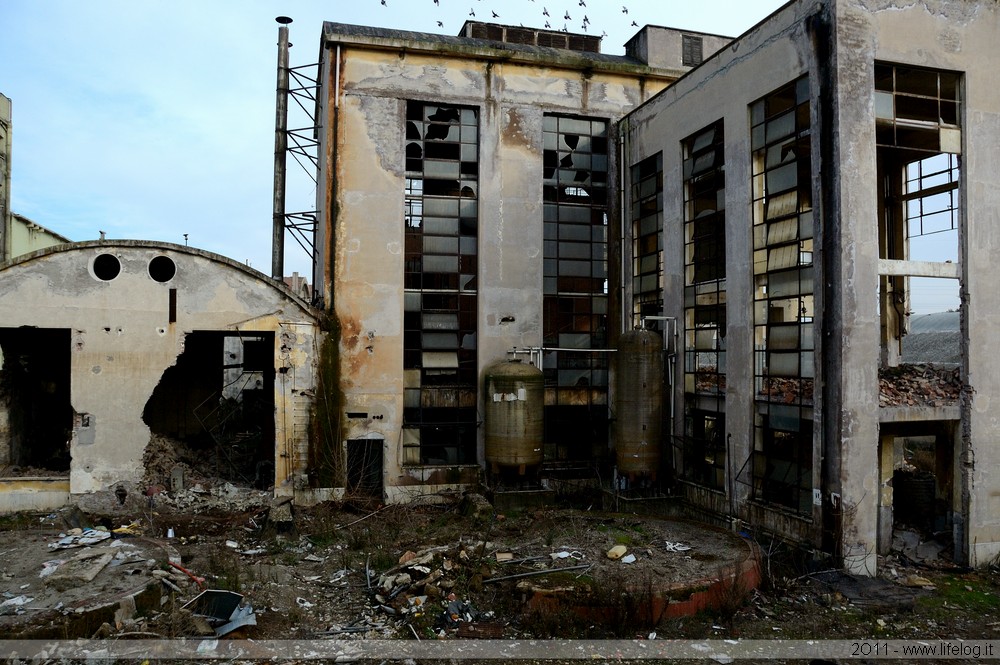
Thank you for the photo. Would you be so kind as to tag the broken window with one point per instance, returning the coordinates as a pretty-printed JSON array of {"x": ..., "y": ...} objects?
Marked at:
[
  {"x": 783, "y": 296},
  {"x": 704, "y": 306},
  {"x": 919, "y": 141},
  {"x": 646, "y": 205},
  {"x": 212, "y": 413},
  {"x": 575, "y": 284},
  {"x": 441, "y": 228},
  {"x": 36, "y": 418}
]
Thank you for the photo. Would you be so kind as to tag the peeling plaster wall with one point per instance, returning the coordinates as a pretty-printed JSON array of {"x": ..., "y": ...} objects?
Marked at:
[
  {"x": 367, "y": 194},
  {"x": 123, "y": 341},
  {"x": 957, "y": 36},
  {"x": 769, "y": 56}
]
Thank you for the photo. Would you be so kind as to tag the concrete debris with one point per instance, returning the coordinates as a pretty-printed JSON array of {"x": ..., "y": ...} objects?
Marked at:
[
  {"x": 911, "y": 545},
  {"x": 225, "y": 497},
  {"x": 919, "y": 385},
  {"x": 476, "y": 506},
  {"x": 79, "y": 538},
  {"x": 81, "y": 569}
]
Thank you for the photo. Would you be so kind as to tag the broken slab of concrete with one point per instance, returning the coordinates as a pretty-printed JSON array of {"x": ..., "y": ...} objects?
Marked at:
[{"x": 81, "y": 569}]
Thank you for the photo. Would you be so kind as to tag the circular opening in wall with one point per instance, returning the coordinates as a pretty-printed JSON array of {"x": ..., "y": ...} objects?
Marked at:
[
  {"x": 107, "y": 267},
  {"x": 162, "y": 269}
]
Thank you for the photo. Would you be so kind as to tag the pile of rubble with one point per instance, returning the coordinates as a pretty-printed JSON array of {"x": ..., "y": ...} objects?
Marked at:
[
  {"x": 919, "y": 385},
  {"x": 426, "y": 579},
  {"x": 788, "y": 391}
]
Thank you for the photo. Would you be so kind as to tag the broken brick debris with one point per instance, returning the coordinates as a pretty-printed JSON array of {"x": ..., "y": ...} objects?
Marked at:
[{"x": 919, "y": 385}]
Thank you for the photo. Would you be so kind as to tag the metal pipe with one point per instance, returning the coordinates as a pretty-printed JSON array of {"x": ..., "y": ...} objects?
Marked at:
[
  {"x": 280, "y": 152},
  {"x": 535, "y": 573}
]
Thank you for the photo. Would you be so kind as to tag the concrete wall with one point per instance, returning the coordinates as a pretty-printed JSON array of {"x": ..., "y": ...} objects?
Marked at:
[
  {"x": 950, "y": 35},
  {"x": 664, "y": 47},
  {"x": 766, "y": 58},
  {"x": 836, "y": 43},
  {"x": 365, "y": 197},
  {"x": 123, "y": 341}
]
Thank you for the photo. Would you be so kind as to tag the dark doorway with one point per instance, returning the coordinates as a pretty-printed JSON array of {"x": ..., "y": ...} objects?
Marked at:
[
  {"x": 364, "y": 467},
  {"x": 35, "y": 399}
]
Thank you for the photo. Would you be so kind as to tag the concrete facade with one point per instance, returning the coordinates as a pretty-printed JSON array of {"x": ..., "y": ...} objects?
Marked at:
[
  {"x": 370, "y": 78},
  {"x": 837, "y": 53},
  {"x": 109, "y": 343}
]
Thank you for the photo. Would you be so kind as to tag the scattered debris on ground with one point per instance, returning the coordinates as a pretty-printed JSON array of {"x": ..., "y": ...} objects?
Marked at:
[{"x": 433, "y": 573}]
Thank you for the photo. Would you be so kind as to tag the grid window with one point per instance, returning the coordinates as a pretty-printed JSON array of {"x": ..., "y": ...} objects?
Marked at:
[
  {"x": 704, "y": 306},
  {"x": 783, "y": 296},
  {"x": 441, "y": 216},
  {"x": 917, "y": 109},
  {"x": 646, "y": 204},
  {"x": 575, "y": 271}
]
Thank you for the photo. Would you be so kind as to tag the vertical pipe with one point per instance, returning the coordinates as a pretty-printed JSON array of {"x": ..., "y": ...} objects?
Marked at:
[{"x": 280, "y": 151}]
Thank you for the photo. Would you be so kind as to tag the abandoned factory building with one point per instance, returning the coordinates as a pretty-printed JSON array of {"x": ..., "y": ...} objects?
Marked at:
[{"x": 690, "y": 271}]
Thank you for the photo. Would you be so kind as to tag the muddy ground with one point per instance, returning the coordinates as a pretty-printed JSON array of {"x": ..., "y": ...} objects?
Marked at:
[{"x": 434, "y": 572}]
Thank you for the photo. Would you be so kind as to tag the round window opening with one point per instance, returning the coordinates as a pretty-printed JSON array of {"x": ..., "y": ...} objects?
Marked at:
[
  {"x": 162, "y": 269},
  {"x": 107, "y": 267}
]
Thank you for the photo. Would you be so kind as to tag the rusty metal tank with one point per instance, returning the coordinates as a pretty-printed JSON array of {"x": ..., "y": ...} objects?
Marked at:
[
  {"x": 639, "y": 402},
  {"x": 515, "y": 403}
]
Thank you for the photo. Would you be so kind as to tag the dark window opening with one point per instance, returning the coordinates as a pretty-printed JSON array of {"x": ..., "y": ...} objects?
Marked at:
[
  {"x": 212, "y": 412},
  {"x": 782, "y": 468},
  {"x": 440, "y": 276},
  {"x": 783, "y": 296},
  {"x": 441, "y": 435},
  {"x": 704, "y": 446},
  {"x": 107, "y": 267},
  {"x": 646, "y": 203},
  {"x": 36, "y": 415},
  {"x": 575, "y": 286},
  {"x": 691, "y": 46},
  {"x": 162, "y": 268},
  {"x": 704, "y": 450}
]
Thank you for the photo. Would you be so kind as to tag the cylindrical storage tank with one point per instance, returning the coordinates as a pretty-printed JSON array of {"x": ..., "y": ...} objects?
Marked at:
[
  {"x": 515, "y": 403},
  {"x": 639, "y": 402}
]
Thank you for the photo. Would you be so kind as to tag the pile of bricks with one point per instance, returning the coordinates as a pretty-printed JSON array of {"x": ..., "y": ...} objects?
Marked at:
[{"x": 919, "y": 385}]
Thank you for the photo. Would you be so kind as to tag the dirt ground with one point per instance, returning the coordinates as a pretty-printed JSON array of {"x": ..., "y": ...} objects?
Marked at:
[{"x": 445, "y": 571}]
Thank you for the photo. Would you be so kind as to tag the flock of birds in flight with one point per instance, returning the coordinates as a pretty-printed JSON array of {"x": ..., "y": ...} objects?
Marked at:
[{"x": 545, "y": 13}]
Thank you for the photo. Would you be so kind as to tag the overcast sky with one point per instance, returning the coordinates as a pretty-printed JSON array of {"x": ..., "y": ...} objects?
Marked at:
[{"x": 149, "y": 120}]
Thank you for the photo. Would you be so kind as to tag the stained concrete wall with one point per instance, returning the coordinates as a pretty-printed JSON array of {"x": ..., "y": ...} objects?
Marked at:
[
  {"x": 364, "y": 197},
  {"x": 956, "y": 36},
  {"x": 836, "y": 43},
  {"x": 766, "y": 58},
  {"x": 123, "y": 341}
]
